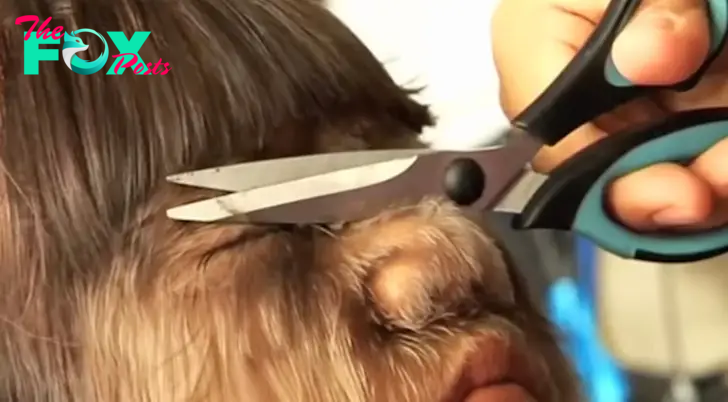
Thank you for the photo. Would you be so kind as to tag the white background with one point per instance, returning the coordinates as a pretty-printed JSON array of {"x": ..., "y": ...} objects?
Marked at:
[{"x": 443, "y": 45}]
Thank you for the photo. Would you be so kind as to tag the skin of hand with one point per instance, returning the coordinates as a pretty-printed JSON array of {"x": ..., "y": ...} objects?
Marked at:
[{"x": 666, "y": 41}]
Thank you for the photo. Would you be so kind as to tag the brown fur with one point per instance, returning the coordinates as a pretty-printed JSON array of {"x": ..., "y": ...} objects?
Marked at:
[{"x": 102, "y": 298}]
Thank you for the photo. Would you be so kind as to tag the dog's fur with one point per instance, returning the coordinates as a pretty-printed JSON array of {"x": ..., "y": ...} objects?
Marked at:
[{"x": 103, "y": 299}]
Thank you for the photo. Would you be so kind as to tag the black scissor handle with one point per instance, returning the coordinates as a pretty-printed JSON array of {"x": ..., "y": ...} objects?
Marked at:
[{"x": 590, "y": 85}]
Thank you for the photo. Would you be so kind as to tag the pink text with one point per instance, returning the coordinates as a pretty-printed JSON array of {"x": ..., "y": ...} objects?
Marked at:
[
  {"x": 152, "y": 69},
  {"x": 43, "y": 30}
]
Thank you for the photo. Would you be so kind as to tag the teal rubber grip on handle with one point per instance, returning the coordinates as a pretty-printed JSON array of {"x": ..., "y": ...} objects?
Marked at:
[
  {"x": 718, "y": 25},
  {"x": 574, "y": 195}
]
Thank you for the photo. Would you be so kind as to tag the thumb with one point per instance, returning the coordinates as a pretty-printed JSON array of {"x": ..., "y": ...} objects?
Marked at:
[{"x": 665, "y": 43}]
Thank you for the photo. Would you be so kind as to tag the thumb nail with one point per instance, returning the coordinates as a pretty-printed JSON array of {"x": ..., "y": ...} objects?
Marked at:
[
  {"x": 655, "y": 20},
  {"x": 661, "y": 47},
  {"x": 674, "y": 217}
]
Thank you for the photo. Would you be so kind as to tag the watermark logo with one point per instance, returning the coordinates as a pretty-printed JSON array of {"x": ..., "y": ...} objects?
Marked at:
[
  {"x": 128, "y": 56},
  {"x": 73, "y": 44}
]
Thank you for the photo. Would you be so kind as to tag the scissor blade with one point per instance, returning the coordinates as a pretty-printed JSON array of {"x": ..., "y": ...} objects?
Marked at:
[
  {"x": 237, "y": 205},
  {"x": 247, "y": 176},
  {"x": 521, "y": 192}
]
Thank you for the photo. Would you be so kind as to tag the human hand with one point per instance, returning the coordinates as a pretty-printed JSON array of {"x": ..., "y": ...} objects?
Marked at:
[{"x": 665, "y": 43}]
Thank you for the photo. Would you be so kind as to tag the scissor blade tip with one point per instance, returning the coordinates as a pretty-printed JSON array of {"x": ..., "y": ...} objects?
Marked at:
[
  {"x": 174, "y": 178},
  {"x": 181, "y": 214},
  {"x": 183, "y": 180}
]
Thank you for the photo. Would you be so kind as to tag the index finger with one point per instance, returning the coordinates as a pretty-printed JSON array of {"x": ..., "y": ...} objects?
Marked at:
[{"x": 534, "y": 40}]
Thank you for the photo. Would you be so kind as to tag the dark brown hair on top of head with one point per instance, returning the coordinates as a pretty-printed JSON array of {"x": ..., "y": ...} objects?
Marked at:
[{"x": 248, "y": 80}]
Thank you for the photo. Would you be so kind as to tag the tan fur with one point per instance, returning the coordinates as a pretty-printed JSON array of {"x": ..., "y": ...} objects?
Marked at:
[{"x": 300, "y": 315}]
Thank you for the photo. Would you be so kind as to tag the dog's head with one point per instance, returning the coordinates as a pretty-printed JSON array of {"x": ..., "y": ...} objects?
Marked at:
[{"x": 102, "y": 298}]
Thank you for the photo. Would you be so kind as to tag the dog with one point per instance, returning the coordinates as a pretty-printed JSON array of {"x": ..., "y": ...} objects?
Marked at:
[{"x": 105, "y": 299}]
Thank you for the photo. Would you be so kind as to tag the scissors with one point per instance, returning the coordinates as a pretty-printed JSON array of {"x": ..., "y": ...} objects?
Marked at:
[{"x": 349, "y": 186}]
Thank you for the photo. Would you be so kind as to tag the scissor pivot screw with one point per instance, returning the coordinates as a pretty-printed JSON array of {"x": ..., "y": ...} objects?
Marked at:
[{"x": 464, "y": 181}]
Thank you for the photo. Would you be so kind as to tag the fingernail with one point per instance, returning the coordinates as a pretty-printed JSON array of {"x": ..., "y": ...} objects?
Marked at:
[
  {"x": 662, "y": 20},
  {"x": 674, "y": 217}
]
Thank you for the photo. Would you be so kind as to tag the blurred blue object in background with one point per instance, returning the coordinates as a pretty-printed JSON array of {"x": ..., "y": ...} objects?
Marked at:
[{"x": 571, "y": 307}]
